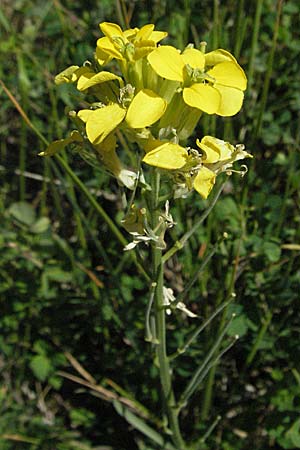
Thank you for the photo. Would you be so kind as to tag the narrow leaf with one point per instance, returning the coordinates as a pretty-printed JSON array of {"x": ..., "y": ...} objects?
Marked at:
[{"x": 140, "y": 425}]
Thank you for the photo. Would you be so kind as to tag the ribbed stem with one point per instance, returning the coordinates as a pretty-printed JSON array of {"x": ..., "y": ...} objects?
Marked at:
[{"x": 160, "y": 323}]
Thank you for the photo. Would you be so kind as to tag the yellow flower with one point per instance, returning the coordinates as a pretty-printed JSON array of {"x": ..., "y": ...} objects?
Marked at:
[
  {"x": 70, "y": 74},
  {"x": 144, "y": 109},
  {"x": 131, "y": 44},
  {"x": 90, "y": 79},
  {"x": 212, "y": 82},
  {"x": 198, "y": 170},
  {"x": 103, "y": 83}
]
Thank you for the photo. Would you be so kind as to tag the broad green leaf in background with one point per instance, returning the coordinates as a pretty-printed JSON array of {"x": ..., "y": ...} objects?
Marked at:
[
  {"x": 41, "y": 367},
  {"x": 41, "y": 225},
  {"x": 23, "y": 212}
]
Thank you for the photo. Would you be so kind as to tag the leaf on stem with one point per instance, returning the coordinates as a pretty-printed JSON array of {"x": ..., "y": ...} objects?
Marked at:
[{"x": 141, "y": 426}]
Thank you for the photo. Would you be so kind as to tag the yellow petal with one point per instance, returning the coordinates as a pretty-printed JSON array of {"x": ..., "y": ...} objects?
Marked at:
[
  {"x": 202, "y": 96},
  {"x": 102, "y": 57},
  {"x": 210, "y": 149},
  {"x": 145, "y": 109},
  {"x": 130, "y": 33},
  {"x": 167, "y": 156},
  {"x": 204, "y": 182},
  {"x": 226, "y": 149},
  {"x": 143, "y": 48},
  {"x": 229, "y": 74},
  {"x": 71, "y": 74},
  {"x": 231, "y": 100},
  {"x": 66, "y": 76},
  {"x": 145, "y": 32},
  {"x": 157, "y": 36},
  {"x": 194, "y": 58},
  {"x": 167, "y": 63},
  {"x": 111, "y": 30},
  {"x": 151, "y": 144},
  {"x": 218, "y": 56},
  {"x": 91, "y": 79},
  {"x": 105, "y": 45},
  {"x": 85, "y": 114},
  {"x": 215, "y": 149},
  {"x": 103, "y": 121}
]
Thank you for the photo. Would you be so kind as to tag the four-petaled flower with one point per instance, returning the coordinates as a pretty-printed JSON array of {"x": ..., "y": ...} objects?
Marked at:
[{"x": 212, "y": 82}]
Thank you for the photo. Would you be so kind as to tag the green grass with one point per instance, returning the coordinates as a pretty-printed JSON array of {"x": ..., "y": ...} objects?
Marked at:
[{"x": 67, "y": 286}]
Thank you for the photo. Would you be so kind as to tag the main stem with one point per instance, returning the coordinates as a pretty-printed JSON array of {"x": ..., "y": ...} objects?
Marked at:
[{"x": 160, "y": 322}]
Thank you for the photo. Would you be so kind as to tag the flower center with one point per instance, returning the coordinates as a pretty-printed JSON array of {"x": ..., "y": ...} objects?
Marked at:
[{"x": 195, "y": 75}]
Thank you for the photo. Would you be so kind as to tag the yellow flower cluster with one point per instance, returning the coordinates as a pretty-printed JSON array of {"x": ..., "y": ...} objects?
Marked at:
[{"x": 156, "y": 99}]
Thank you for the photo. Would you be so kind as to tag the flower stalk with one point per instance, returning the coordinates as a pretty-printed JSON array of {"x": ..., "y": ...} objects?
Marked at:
[{"x": 160, "y": 322}]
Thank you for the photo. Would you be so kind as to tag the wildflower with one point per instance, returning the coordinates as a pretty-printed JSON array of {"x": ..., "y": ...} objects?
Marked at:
[
  {"x": 212, "y": 82},
  {"x": 196, "y": 170},
  {"x": 144, "y": 109},
  {"x": 70, "y": 74},
  {"x": 104, "y": 85},
  {"x": 131, "y": 44}
]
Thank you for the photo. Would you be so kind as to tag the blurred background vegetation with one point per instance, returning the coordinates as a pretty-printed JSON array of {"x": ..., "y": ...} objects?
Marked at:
[{"x": 72, "y": 303}]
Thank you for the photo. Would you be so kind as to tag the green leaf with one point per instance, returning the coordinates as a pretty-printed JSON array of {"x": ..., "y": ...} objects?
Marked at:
[
  {"x": 23, "y": 212},
  {"x": 41, "y": 367},
  {"x": 81, "y": 417},
  {"x": 294, "y": 433},
  {"x": 227, "y": 210},
  {"x": 140, "y": 425},
  {"x": 238, "y": 326},
  {"x": 277, "y": 374},
  {"x": 272, "y": 251},
  {"x": 56, "y": 382},
  {"x": 57, "y": 274},
  {"x": 40, "y": 226}
]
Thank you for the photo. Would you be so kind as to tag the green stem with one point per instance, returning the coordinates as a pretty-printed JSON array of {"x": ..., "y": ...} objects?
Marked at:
[
  {"x": 216, "y": 25},
  {"x": 267, "y": 79},
  {"x": 254, "y": 42},
  {"x": 259, "y": 338},
  {"x": 287, "y": 192},
  {"x": 160, "y": 321},
  {"x": 239, "y": 28},
  {"x": 208, "y": 393}
]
